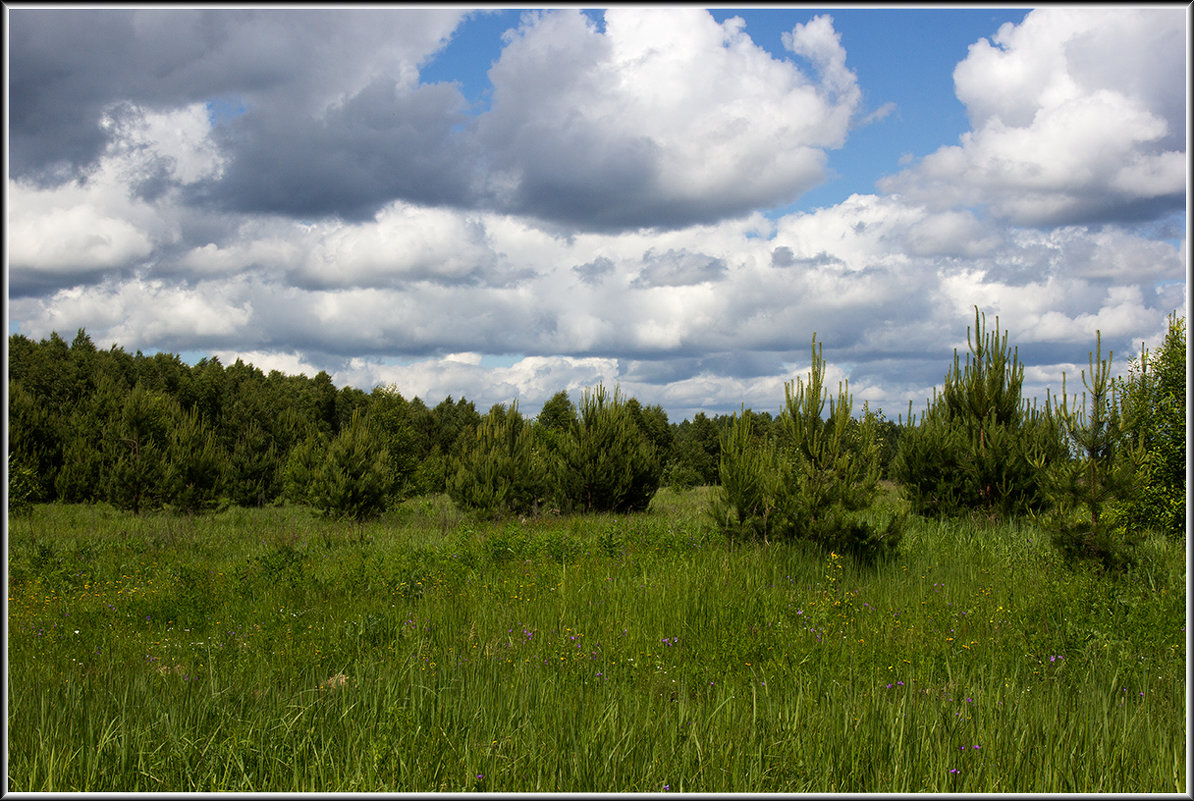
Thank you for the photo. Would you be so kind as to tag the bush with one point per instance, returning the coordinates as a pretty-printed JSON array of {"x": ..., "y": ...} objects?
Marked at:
[
  {"x": 979, "y": 446},
  {"x": 302, "y": 468},
  {"x": 1153, "y": 406},
  {"x": 352, "y": 479},
  {"x": 500, "y": 471},
  {"x": 753, "y": 499},
  {"x": 22, "y": 487},
  {"x": 1103, "y": 471},
  {"x": 808, "y": 484},
  {"x": 606, "y": 462}
]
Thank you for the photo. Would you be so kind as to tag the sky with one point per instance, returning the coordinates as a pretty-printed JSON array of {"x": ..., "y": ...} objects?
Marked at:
[{"x": 503, "y": 204}]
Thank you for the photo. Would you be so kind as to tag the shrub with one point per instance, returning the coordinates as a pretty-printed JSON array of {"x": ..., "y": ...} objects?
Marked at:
[
  {"x": 835, "y": 468},
  {"x": 753, "y": 498},
  {"x": 500, "y": 471},
  {"x": 352, "y": 479},
  {"x": 978, "y": 446},
  {"x": 1153, "y": 404},
  {"x": 808, "y": 483},
  {"x": 606, "y": 462},
  {"x": 302, "y": 467},
  {"x": 22, "y": 487},
  {"x": 1102, "y": 472}
]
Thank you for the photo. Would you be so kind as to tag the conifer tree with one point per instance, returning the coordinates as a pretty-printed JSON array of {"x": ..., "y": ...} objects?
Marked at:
[
  {"x": 975, "y": 448},
  {"x": 1100, "y": 472},
  {"x": 352, "y": 480},
  {"x": 836, "y": 461},
  {"x": 499, "y": 471},
  {"x": 805, "y": 484},
  {"x": 835, "y": 468},
  {"x": 136, "y": 445},
  {"x": 753, "y": 497},
  {"x": 302, "y": 468},
  {"x": 606, "y": 462},
  {"x": 195, "y": 464}
]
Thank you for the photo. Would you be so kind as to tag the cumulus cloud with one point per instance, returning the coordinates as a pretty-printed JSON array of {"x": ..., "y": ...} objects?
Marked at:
[
  {"x": 653, "y": 121},
  {"x": 1078, "y": 116},
  {"x": 678, "y": 268},
  {"x": 595, "y": 226},
  {"x": 120, "y": 216},
  {"x": 403, "y": 244},
  {"x": 657, "y": 119},
  {"x": 333, "y": 102},
  {"x": 530, "y": 381}
]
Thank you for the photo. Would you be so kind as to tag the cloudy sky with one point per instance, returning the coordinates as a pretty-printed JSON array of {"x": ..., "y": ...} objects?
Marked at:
[{"x": 504, "y": 204}]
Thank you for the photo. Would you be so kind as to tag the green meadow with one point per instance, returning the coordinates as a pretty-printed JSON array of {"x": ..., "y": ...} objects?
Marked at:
[{"x": 272, "y": 650}]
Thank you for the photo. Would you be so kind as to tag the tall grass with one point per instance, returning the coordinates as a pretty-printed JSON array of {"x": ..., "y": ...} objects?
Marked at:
[{"x": 268, "y": 650}]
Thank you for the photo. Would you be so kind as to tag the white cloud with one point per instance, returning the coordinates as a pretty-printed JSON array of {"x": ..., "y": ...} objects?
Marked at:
[
  {"x": 72, "y": 228},
  {"x": 149, "y": 312},
  {"x": 658, "y": 113},
  {"x": 173, "y": 144},
  {"x": 285, "y": 362},
  {"x": 403, "y": 243},
  {"x": 656, "y": 119},
  {"x": 1077, "y": 114},
  {"x": 531, "y": 380},
  {"x": 126, "y": 212}
]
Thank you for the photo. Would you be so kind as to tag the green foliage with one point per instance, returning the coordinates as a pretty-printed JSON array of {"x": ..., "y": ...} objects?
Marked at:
[
  {"x": 753, "y": 498},
  {"x": 22, "y": 487},
  {"x": 195, "y": 465},
  {"x": 253, "y": 467},
  {"x": 1099, "y": 474},
  {"x": 977, "y": 445},
  {"x": 835, "y": 468},
  {"x": 302, "y": 469},
  {"x": 352, "y": 481},
  {"x": 835, "y": 457},
  {"x": 1153, "y": 403},
  {"x": 136, "y": 446},
  {"x": 392, "y": 421},
  {"x": 806, "y": 483},
  {"x": 558, "y": 414},
  {"x": 500, "y": 472},
  {"x": 33, "y": 438},
  {"x": 606, "y": 462},
  {"x": 695, "y": 453}
]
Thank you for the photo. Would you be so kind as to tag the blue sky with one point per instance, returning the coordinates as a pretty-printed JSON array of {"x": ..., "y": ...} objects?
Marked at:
[{"x": 501, "y": 204}]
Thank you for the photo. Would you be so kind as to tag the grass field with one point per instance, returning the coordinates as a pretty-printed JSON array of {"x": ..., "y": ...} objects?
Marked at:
[{"x": 268, "y": 650}]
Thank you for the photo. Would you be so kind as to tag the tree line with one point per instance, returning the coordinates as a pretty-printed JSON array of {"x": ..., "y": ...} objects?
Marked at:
[
  {"x": 149, "y": 432},
  {"x": 146, "y": 432}
]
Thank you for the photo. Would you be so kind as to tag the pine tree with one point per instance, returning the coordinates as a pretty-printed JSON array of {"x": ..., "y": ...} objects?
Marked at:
[
  {"x": 976, "y": 447},
  {"x": 500, "y": 471},
  {"x": 302, "y": 469},
  {"x": 195, "y": 464},
  {"x": 753, "y": 496},
  {"x": 135, "y": 444},
  {"x": 836, "y": 458},
  {"x": 1099, "y": 474},
  {"x": 606, "y": 462},
  {"x": 835, "y": 468},
  {"x": 352, "y": 480}
]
